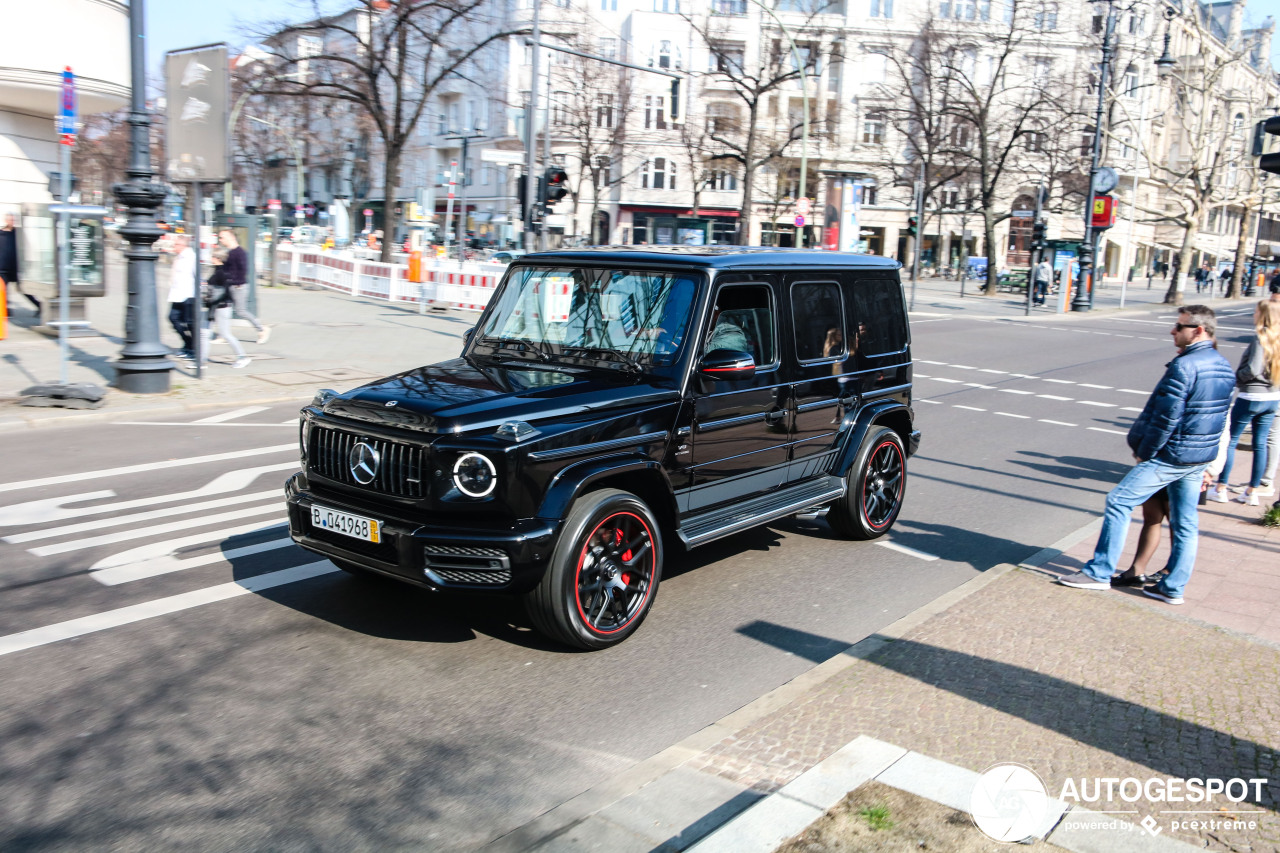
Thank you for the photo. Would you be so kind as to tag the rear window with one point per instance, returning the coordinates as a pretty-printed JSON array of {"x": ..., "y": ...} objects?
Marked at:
[
  {"x": 877, "y": 318},
  {"x": 819, "y": 321}
]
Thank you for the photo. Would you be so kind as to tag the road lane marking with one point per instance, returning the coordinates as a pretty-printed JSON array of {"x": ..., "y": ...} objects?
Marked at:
[
  {"x": 67, "y": 529},
  {"x": 1096, "y": 403},
  {"x": 171, "y": 563},
  {"x": 1056, "y": 423},
  {"x": 1131, "y": 391},
  {"x": 1129, "y": 409},
  {"x": 53, "y": 509},
  {"x": 1099, "y": 387},
  {"x": 170, "y": 547},
  {"x": 1011, "y": 415},
  {"x": 903, "y": 549},
  {"x": 1053, "y": 397},
  {"x": 1061, "y": 381},
  {"x": 989, "y": 370},
  {"x": 146, "y": 466},
  {"x": 1024, "y": 376},
  {"x": 970, "y": 408},
  {"x": 923, "y": 400},
  {"x": 1112, "y": 431},
  {"x": 159, "y": 607},
  {"x": 925, "y": 361},
  {"x": 155, "y": 530},
  {"x": 963, "y": 367},
  {"x": 1014, "y": 391},
  {"x": 944, "y": 379},
  {"x": 231, "y": 415},
  {"x": 984, "y": 387},
  {"x": 293, "y": 424}
]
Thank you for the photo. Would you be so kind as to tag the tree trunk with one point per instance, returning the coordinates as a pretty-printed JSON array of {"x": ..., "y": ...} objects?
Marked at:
[
  {"x": 1242, "y": 252},
  {"x": 390, "y": 183},
  {"x": 989, "y": 237},
  {"x": 748, "y": 172},
  {"x": 1173, "y": 296}
]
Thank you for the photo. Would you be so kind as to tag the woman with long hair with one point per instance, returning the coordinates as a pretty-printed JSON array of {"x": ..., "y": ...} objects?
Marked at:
[{"x": 1257, "y": 399}]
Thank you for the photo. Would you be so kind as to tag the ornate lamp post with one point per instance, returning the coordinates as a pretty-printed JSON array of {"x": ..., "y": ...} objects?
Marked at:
[
  {"x": 143, "y": 367},
  {"x": 1083, "y": 301}
]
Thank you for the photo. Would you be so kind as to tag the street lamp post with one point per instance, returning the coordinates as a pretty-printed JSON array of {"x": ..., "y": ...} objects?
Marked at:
[
  {"x": 297, "y": 160},
  {"x": 143, "y": 367},
  {"x": 1083, "y": 299},
  {"x": 477, "y": 132}
]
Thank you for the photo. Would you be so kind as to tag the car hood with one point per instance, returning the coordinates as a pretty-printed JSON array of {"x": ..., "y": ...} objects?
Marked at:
[{"x": 462, "y": 395}]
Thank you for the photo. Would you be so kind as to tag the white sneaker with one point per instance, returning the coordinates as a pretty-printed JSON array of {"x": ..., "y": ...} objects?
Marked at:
[
  {"x": 243, "y": 361},
  {"x": 1248, "y": 499},
  {"x": 1220, "y": 494},
  {"x": 263, "y": 334},
  {"x": 1265, "y": 491}
]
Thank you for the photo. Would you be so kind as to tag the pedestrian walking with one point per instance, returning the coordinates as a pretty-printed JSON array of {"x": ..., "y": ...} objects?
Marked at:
[
  {"x": 220, "y": 302},
  {"x": 1202, "y": 276},
  {"x": 1257, "y": 399},
  {"x": 236, "y": 270},
  {"x": 9, "y": 262},
  {"x": 1043, "y": 275},
  {"x": 1225, "y": 278},
  {"x": 1173, "y": 440},
  {"x": 182, "y": 293}
]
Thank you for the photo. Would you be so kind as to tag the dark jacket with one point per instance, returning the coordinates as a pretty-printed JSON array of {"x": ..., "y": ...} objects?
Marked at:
[
  {"x": 236, "y": 266},
  {"x": 216, "y": 292},
  {"x": 1253, "y": 376},
  {"x": 1185, "y": 415},
  {"x": 9, "y": 255}
]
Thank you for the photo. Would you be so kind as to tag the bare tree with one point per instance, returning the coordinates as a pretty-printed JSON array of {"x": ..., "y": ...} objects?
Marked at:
[
  {"x": 1200, "y": 164},
  {"x": 757, "y": 87},
  {"x": 387, "y": 59}
]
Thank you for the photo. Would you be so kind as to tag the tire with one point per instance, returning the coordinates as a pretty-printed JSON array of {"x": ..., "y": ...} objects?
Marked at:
[
  {"x": 603, "y": 574},
  {"x": 876, "y": 485}
]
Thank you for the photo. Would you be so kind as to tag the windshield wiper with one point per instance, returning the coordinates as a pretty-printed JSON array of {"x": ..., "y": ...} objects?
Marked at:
[
  {"x": 632, "y": 365},
  {"x": 528, "y": 344}
]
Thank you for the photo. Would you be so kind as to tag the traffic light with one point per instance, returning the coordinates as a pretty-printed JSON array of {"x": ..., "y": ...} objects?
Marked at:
[
  {"x": 557, "y": 185},
  {"x": 1038, "y": 235},
  {"x": 677, "y": 114},
  {"x": 522, "y": 194},
  {"x": 911, "y": 226},
  {"x": 1270, "y": 162}
]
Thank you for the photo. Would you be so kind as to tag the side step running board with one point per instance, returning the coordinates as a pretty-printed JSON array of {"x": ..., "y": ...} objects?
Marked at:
[{"x": 706, "y": 527}]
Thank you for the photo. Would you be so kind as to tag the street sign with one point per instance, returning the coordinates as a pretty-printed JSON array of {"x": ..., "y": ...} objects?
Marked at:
[
  {"x": 803, "y": 206},
  {"x": 1022, "y": 214},
  {"x": 799, "y": 221},
  {"x": 67, "y": 114},
  {"x": 273, "y": 204},
  {"x": 1104, "y": 211},
  {"x": 311, "y": 210}
]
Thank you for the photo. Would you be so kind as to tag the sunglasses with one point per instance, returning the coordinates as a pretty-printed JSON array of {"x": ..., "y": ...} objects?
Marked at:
[{"x": 1178, "y": 327}]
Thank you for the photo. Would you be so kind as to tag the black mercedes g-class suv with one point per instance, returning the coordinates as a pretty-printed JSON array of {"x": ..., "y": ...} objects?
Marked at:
[{"x": 608, "y": 404}]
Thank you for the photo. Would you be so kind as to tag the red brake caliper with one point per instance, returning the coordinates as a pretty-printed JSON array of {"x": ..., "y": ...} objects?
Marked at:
[{"x": 626, "y": 578}]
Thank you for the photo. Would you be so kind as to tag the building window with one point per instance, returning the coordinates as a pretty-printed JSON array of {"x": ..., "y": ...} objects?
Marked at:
[
  {"x": 603, "y": 172},
  {"x": 1137, "y": 23},
  {"x": 609, "y": 48},
  {"x": 604, "y": 109},
  {"x": 658, "y": 174},
  {"x": 664, "y": 54},
  {"x": 726, "y": 57},
  {"x": 882, "y": 8},
  {"x": 1129, "y": 84},
  {"x": 722, "y": 118},
  {"x": 950, "y": 197},
  {"x": 671, "y": 6},
  {"x": 965, "y": 10},
  {"x": 1046, "y": 17},
  {"x": 728, "y": 7},
  {"x": 559, "y": 107},
  {"x": 959, "y": 134},
  {"x": 608, "y": 5},
  {"x": 1035, "y": 140},
  {"x": 873, "y": 129},
  {"x": 870, "y": 192},
  {"x": 655, "y": 114},
  {"x": 722, "y": 180}
]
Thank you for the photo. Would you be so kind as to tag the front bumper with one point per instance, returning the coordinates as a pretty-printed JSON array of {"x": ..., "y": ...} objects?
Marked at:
[{"x": 435, "y": 555}]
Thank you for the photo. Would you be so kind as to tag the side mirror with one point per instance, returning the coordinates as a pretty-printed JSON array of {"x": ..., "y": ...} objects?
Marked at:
[
  {"x": 467, "y": 336},
  {"x": 721, "y": 364}
]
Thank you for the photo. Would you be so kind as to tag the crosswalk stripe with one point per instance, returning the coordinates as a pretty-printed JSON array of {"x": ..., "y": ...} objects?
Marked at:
[
  {"x": 113, "y": 521},
  {"x": 170, "y": 563},
  {"x": 231, "y": 415},
  {"x": 158, "y": 550},
  {"x": 159, "y": 607},
  {"x": 155, "y": 530},
  {"x": 146, "y": 466}
]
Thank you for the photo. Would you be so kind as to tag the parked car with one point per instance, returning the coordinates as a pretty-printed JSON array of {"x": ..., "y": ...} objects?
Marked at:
[
  {"x": 505, "y": 256},
  {"x": 607, "y": 404}
]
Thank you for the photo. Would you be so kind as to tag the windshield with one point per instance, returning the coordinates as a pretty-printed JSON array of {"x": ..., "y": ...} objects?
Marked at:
[{"x": 632, "y": 316}]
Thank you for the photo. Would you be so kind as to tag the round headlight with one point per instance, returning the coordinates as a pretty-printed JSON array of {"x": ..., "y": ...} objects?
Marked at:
[{"x": 474, "y": 475}]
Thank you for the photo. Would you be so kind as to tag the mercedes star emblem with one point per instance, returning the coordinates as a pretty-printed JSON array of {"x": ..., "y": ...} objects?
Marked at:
[{"x": 363, "y": 460}]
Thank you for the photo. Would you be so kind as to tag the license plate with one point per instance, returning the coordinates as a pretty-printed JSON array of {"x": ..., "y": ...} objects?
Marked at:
[{"x": 355, "y": 526}]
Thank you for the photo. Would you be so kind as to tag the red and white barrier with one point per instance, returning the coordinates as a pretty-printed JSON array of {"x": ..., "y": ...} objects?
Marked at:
[{"x": 467, "y": 287}]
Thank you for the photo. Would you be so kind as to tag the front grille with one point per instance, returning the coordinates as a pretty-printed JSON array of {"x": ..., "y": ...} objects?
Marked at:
[
  {"x": 463, "y": 565},
  {"x": 400, "y": 468}
]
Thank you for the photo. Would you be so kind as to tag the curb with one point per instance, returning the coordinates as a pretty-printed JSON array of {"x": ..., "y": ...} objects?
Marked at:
[{"x": 21, "y": 422}]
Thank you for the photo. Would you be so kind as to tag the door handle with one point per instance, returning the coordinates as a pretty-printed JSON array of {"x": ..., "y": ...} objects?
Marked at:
[
  {"x": 849, "y": 400},
  {"x": 774, "y": 416}
]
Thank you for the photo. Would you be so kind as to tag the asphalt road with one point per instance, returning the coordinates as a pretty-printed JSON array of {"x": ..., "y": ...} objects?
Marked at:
[{"x": 177, "y": 676}]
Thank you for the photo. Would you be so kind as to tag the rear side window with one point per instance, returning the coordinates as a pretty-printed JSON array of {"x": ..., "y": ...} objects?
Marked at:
[
  {"x": 877, "y": 318},
  {"x": 819, "y": 321},
  {"x": 743, "y": 319}
]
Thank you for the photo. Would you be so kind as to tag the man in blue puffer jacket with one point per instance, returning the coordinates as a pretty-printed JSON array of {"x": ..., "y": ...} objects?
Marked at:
[{"x": 1173, "y": 440}]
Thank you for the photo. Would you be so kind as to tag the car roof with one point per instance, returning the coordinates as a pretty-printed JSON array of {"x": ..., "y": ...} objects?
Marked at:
[{"x": 717, "y": 257}]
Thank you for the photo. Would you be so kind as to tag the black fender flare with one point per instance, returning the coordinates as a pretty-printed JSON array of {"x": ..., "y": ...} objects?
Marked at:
[
  {"x": 869, "y": 416},
  {"x": 572, "y": 481}
]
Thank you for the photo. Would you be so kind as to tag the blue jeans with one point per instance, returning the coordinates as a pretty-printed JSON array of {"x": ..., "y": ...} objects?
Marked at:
[
  {"x": 1143, "y": 481},
  {"x": 1261, "y": 413}
]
